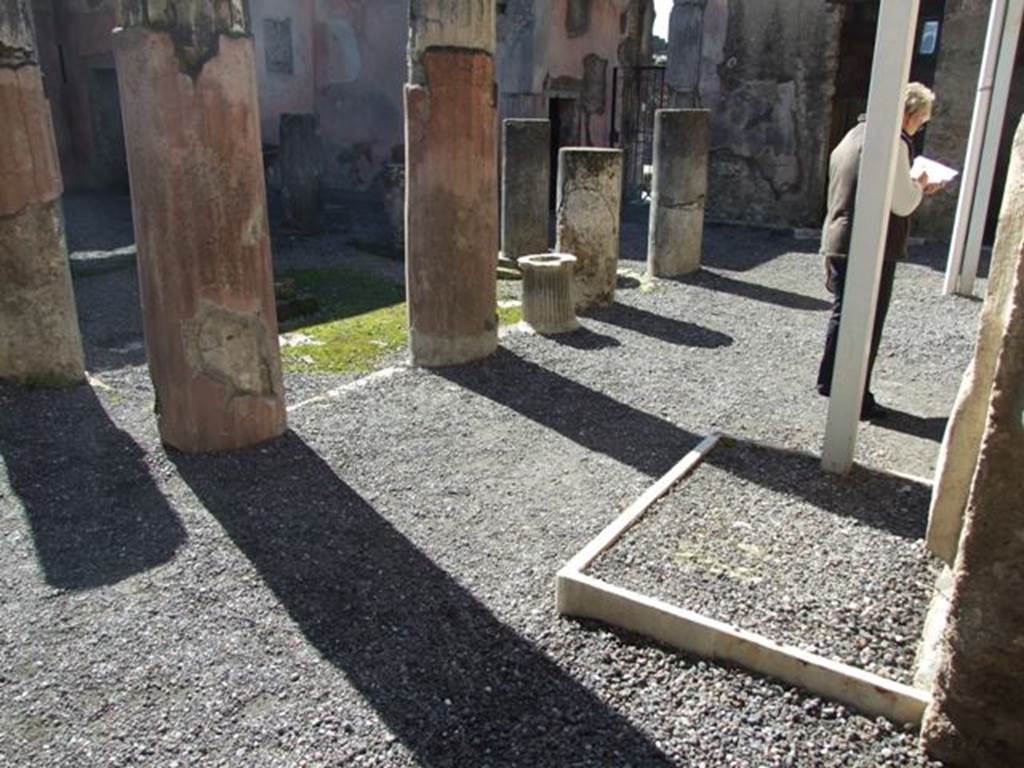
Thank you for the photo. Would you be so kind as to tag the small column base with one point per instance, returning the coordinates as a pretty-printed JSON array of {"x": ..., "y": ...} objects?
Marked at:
[{"x": 547, "y": 293}]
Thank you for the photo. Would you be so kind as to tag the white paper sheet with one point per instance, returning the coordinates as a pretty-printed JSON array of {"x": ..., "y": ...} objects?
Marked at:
[{"x": 937, "y": 172}]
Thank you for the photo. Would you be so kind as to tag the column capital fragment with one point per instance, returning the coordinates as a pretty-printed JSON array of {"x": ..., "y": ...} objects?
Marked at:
[{"x": 195, "y": 26}]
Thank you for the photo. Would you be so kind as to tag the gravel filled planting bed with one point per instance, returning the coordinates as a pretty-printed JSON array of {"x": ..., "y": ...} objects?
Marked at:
[{"x": 767, "y": 541}]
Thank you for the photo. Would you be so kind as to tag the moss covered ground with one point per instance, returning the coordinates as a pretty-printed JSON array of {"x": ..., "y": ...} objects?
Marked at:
[{"x": 360, "y": 323}]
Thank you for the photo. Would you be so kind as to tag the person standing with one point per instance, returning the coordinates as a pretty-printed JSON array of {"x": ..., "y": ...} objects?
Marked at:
[{"x": 844, "y": 166}]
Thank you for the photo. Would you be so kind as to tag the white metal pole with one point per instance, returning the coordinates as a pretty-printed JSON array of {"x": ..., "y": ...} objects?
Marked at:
[
  {"x": 979, "y": 124},
  {"x": 990, "y": 147},
  {"x": 894, "y": 42}
]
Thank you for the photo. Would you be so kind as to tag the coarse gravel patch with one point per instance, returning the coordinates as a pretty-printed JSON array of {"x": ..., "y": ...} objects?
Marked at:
[
  {"x": 767, "y": 541},
  {"x": 376, "y": 587}
]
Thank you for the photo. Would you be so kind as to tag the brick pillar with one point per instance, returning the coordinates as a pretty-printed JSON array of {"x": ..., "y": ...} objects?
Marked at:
[
  {"x": 39, "y": 339},
  {"x": 191, "y": 121},
  {"x": 451, "y": 182},
  {"x": 976, "y": 717},
  {"x": 525, "y": 183},
  {"x": 589, "y": 214},
  {"x": 678, "y": 191}
]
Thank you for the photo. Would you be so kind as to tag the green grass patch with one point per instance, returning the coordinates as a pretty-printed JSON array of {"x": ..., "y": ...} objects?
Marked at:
[{"x": 361, "y": 321}]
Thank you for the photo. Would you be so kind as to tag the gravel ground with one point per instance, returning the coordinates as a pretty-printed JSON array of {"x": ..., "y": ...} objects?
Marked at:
[
  {"x": 766, "y": 540},
  {"x": 376, "y": 587}
]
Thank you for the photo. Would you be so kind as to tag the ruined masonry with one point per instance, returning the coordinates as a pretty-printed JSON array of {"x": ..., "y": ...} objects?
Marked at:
[
  {"x": 525, "y": 178},
  {"x": 40, "y": 343},
  {"x": 301, "y": 171},
  {"x": 678, "y": 191},
  {"x": 978, "y": 701},
  {"x": 191, "y": 120},
  {"x": 451, "y": 182},
  {"x": 589, "y": 212}
]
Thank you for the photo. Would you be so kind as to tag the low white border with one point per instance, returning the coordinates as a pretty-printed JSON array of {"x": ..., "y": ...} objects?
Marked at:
[{"x": 584, "y": 596}]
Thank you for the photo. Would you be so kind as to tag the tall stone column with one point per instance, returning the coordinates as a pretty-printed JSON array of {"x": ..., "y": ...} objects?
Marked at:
[
  {"x": 39, "y": 339},
  {"x": 451, "y": 182},
  {"x": 525, "y": 181},
  {"x": 589, "y": 214},
  {"x": 678, "y": 191},
  {"x": 191, "y": 119},
  {"x": 959, "y": 454},
  {"x": 301, "y": 171},
  {"x": 977, "y": 708}
]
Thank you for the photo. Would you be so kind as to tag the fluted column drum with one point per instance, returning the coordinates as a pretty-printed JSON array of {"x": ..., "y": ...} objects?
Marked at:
[{"x": 547, "y": 292}]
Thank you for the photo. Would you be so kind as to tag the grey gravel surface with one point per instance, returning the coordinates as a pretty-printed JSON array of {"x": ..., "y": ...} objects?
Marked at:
[
  {"x": 768, "y": 541},
  {"x": 376, "y": 588}
]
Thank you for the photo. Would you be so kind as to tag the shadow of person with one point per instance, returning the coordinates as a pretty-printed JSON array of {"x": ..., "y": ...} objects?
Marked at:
[
  {"x": 95, "y": 513},
  {"x": 666, "y": 329},
  {"x": 927, "y": 428},
  {"x": 716, "y": 282},
  {"x": 452, "y": 682}
]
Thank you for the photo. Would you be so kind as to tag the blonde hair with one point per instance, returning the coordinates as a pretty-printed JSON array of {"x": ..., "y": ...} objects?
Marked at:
[{"x": 917, "y": 98}]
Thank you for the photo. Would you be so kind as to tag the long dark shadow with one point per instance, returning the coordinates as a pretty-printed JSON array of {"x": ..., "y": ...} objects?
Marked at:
[
  {"x": 95, "y": 512},
  {"x": 716, "y": 282},
  {"x": 653, "y": 446},
  {"x": 666, "y": 329},
  {"x": 452, "y": 682},
  {"x": 877, "y": 499},
  {"x": 585, "y": 416}
]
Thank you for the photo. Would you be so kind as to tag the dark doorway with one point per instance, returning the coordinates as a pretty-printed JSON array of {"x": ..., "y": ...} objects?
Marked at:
[
  {"x": 857, "y": 49},
  {"x": 565, "y": 132},
  {"x": 639, "y": 92},
  {"x": 109, "y": 166}
]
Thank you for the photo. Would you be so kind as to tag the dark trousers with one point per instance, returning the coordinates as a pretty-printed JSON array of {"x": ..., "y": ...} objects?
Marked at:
[{"x": 837, "y": 283}]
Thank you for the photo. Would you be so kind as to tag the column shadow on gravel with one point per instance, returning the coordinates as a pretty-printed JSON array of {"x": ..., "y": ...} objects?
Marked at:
[
  {"x": 585, "y": 339},
  {"x": 588, "y": 417},
  {"x": 96, "y": 515},
  {"x": 716, "y": 282},
  {"x": 451, "y": 681},
  {"x": 653, "y": 445},
  {"x": 666, "y": 329}
]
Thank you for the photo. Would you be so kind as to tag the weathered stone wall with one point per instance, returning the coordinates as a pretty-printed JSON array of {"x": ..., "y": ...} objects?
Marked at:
[
  {"x": 345, "y": 61},
  {"x": 956, "y": 82},
  {"x": 767, "y": 73},
  {"x": 568, "y": 49}
]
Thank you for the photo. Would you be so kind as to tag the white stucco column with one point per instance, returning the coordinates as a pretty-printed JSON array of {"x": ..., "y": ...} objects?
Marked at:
[
  {"x": 994, "y": 81},
  {"x": 893, "y": 47}
]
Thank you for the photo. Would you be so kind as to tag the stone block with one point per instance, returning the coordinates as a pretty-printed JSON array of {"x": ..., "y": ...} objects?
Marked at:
[
  {"x": 678, "y": 191},
  {"x": 525, "y": 181},
  {"x": 589, "y": 215}
]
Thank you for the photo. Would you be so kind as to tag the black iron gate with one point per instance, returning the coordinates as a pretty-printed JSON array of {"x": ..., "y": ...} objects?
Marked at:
[{"x": 637, "y": 92}]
